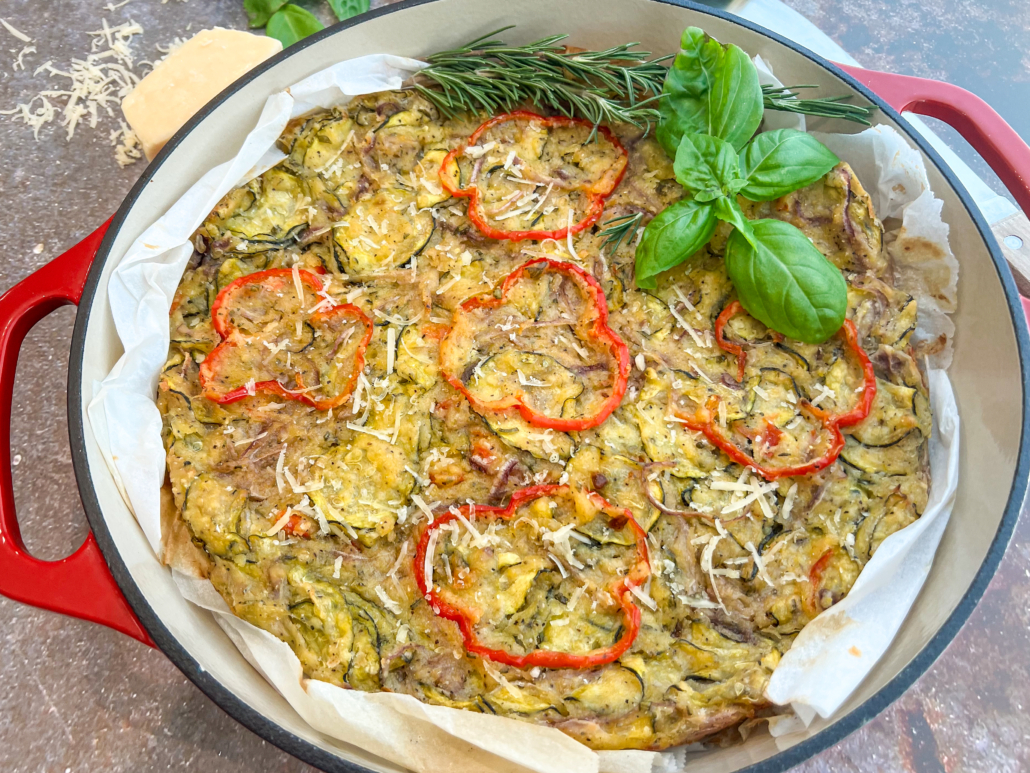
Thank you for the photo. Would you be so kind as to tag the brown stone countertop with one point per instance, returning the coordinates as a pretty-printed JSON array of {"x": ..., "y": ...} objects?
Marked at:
[{"x": 78, "y": 697}]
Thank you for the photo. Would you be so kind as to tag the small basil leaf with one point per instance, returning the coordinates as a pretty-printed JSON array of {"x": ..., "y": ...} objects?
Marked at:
[
  {"x": 786, "y": 283},
  {"x": 673, "y": 236},
  {"x": 710, "y": 89},
  {"x": 346, "y": 9},
  {"x": 260, "y": 11},
  {"x": 735, "y": 102},
  {"x": 706, "y": 166},
  {"x": 292, "y": 23},
  {"x": 779, "y": 162},
  {"x": 728, "y": 210},
  {"x": 684, "y": 106}
]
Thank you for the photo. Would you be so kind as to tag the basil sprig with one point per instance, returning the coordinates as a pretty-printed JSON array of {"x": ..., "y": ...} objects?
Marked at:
[
  {"x": 711, "y": 110},
  {"x": 288, "y": 23}
]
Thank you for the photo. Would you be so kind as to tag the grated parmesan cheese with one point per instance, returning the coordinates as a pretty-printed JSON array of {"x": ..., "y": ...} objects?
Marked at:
[
  {"x": 279, "y": 525},
  {"x": 97, "y": 84},
  {"x": 568, "y": 239},
  {"x": 16, "y": 32},
  {"x": 280, "y": 482},
  {"x": 788, "y": 501},
  {"x": 643, "y": 596},
  {"x": 420, "y": 503},
  {"x": 388, "y": 602},
  {"x": 428, "y": 566}
]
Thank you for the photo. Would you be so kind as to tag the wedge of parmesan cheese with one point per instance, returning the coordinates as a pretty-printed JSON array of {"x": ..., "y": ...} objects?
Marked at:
[{"x": 187, "y": 80}]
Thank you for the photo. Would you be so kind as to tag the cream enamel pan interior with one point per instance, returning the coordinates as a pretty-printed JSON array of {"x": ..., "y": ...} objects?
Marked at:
[{"x": 987, "y": 373}]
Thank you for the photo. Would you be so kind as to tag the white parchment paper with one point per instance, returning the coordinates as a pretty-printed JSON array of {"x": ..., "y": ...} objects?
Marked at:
[{"x": 814, "y": 676}]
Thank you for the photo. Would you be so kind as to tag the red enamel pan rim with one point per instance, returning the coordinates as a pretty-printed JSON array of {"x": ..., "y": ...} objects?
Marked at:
[{"x": 319, "y": 757}]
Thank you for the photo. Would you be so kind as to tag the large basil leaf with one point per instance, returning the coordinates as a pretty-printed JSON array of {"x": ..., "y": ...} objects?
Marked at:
[
  {"x": 778, "y": 162},
  {"x": 673, "y": 236},
  {"x": 292, "y": 23},
  {"x": 707, "y": 167},
  {"x": 735, "y": 102},
  {"x": 260, "y": 11},
  {"x": 786, "y": 283},
  {"x": 345, "y": 9},
  {"x": 710, "y": 89}
]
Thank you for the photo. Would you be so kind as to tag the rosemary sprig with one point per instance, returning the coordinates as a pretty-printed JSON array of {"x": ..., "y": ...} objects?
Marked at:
[
  {"x": 787, "y": 99},
  {"x": 619, "y": 230},
  {"x": 617, "y": 85}
]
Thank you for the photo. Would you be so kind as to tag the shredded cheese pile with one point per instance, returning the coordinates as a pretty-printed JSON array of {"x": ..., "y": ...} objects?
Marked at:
[{"x": 88, "y": 88}]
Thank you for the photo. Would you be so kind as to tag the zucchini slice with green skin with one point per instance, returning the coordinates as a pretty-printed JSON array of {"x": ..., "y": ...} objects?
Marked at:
[
  {"x": 360, "y": 480},
  {"x": 275, "y": 218},
  {"x": 898, "y": 458},
  {"x": 324, "y": 146},
  {"x": 617, "y": 691},
  {"x": 892, "y": 417},
  {"x": 547, "y": 385},
  {"x": 382, "y": 233},
  {"x": 431, "y": 192},
  {"x": 546, "y": 444},
  {"x": 212, "y": 511},
  {"x": 417, "y": 356},
  {"x": 526, "y": 702}
]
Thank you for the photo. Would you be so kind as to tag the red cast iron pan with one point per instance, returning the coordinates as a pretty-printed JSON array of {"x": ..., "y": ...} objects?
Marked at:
[{"x": 83, "y": 586}]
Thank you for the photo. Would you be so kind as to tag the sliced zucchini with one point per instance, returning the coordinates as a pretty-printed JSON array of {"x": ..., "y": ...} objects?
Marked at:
[
  {"x": 212, "y": 510},
  {"x": 360, "y": 482},
  {"x": 403, "y": 118},
  {"x": 432, "y": 694},
  {"x": 363, "y": 671},
  {"x": 525, "y": 702},
  {"x": 893, "y": 416},
  {"x": 515, "y": 582},
  {"x": 546, "y": 444},
  {"x": 899, "y": 458},
  {"x": 616, "y": 691},
  {"x": 275, "y": 218},
  {"x": 431, "y": 191},
  {"x": 417, "y": 357},
  {"x": 323, "y": 624},
  {"x": 542, "y": 383},
  {"x": 891, "y": 516},
  {"x": 382, "y": 233},
  {"x": 326, "y": 144}
]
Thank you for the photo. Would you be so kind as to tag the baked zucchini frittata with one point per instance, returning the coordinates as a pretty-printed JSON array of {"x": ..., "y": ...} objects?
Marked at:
[{"x": 427, "y": 430}]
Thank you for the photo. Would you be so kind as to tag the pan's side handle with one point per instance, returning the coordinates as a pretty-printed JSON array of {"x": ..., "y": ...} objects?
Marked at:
[
  {"x": 81, "y": 584},
  {"x": 999, "y": 144}
]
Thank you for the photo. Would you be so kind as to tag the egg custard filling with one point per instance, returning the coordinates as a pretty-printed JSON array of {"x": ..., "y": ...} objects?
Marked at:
[{"x": 423, "y": 426}]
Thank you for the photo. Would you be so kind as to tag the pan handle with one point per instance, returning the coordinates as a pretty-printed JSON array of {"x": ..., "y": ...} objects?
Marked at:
[
  {"x": 80, "y": 585},
  {"x": 999, "y": 144}
]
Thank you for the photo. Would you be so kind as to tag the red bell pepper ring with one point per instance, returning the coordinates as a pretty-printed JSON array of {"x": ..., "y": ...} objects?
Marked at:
[
  {"x": 620, "y": 588},
  {"x": 274, "y": 281},
  {"x": 596, "y": 193},
  {"x": 463, "y": 321},
  {"x": 704, "y": 418},
  {"x": 815, "y": 579}
]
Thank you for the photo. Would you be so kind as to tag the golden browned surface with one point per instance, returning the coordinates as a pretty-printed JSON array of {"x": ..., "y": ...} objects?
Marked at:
[{"x": 358, "y": 197}]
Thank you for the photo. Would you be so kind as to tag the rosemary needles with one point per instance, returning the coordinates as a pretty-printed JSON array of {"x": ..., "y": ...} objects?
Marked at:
[
  {"x": 617, "y": 85},
  {"x": 619, "y": 230},
  {"x": 787, "y": 99},
  {"x": 621, "y": 84}
]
